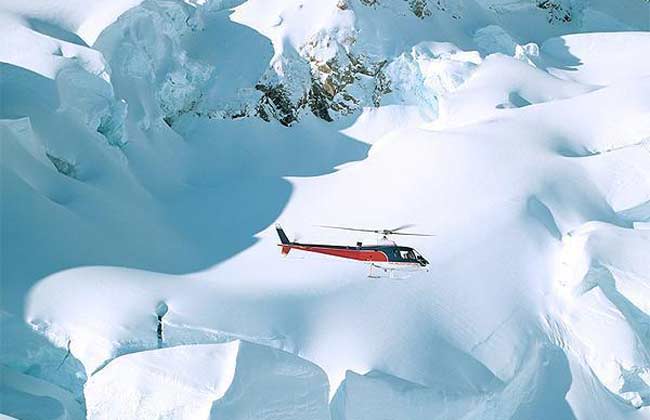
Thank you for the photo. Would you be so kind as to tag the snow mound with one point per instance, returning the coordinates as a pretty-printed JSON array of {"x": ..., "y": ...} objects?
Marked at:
[
  {"x": 579, "y": 57},
  {"x": 47, "y": 36},
  {"x": 85, "y": 19},
  {"x": 605, "y": 278},
  {"x": 539, "y": 386},
  {"x": 502, "y": 82},
  {"x": 235, "y": 380}
]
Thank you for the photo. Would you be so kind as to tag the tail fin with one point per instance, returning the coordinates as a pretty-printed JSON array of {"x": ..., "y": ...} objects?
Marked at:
[
  {"x": 282, "y": 235},
  {"x": 283, "y": 239}
]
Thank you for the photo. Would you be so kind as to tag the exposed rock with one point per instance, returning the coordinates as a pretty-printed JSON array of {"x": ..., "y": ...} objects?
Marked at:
[
  {"x": 419, "y": 8},
  {"x": 326, "y": 77},
  {"x": 557, "y": 12},
  {"x": 63, "y": 166},
  {"x": 275, "y": 103}
]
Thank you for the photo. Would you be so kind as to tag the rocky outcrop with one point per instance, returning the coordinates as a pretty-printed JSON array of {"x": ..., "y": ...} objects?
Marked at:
[
  {"x": 557, "y": 12},
  {"x": 326, "y": 78},
  {"x": 63, "y": 166}
]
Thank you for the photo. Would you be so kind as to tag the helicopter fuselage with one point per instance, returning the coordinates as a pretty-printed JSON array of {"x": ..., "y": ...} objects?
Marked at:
[{"x": 392, "y": 255}]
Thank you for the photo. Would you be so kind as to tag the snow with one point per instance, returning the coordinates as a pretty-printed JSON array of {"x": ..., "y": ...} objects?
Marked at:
[
  {"x": 374, "y": 123},
  {"x": 603, "y": 280},
  {"x": 225, "y": 380},
  {"x": 22, "y": 395},
  {"x": 583, "y": 61},
  {"x": 83, "y": 18},
  {"x": 291, "y": 23},
  {"x": 140, "y": 186}
]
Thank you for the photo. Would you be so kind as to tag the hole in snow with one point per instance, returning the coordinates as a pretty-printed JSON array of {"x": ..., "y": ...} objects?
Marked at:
[
  {"x": 515, "y": 100},
  {"x": 161, "y": 311}
]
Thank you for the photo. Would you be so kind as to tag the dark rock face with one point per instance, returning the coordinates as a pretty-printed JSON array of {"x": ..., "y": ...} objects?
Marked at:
[
  {"x": 275, "y": 103},
  {"x": 337, "y": 86},
  {"x": 420, "y": 8},
  {"x": 63, "y": 166},
  {"x": 333, "y": 81},
  {"x": 556, "y": 11}
]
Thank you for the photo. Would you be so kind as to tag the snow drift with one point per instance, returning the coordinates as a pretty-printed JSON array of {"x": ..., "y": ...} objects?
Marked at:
[{"x": 226, "y": 380}]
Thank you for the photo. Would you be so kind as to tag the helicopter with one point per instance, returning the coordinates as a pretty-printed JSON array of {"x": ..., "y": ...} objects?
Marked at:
[{"x": 387, "y": 256}]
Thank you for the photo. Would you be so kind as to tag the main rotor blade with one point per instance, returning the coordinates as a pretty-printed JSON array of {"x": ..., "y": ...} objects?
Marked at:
[
  {"x": 348, "y": 228},
  {"x": 412, "y": 234},
  {"x": 384, "y": 232},
  {"x": 400, "y": 228}
]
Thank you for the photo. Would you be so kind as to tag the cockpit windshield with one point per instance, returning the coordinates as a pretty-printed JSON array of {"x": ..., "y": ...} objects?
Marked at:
[{"x": 407, "y": 254}]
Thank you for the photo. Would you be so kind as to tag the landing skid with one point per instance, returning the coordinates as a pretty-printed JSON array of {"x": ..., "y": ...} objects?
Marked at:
[{"x": 383, "y": 272}]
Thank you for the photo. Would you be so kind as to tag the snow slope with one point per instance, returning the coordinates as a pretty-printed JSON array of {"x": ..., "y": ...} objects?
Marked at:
[
  {"x": 226, "y": 380},
  {"x": 146, "y": 157}
]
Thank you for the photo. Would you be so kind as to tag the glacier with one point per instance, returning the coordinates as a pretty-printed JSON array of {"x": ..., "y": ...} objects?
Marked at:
[{"x": 149, "y": 147}]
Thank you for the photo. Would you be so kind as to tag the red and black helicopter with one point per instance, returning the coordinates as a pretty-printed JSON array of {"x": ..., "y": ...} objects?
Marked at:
[{"x": 386, "y": 255}]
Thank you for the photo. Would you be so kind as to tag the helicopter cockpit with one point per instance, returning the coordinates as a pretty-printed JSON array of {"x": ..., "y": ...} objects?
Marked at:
[{"x": 409, "y": 254}]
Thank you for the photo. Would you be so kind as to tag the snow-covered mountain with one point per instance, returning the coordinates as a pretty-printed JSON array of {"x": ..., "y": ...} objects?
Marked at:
[{"x": 148, "y": 148}]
